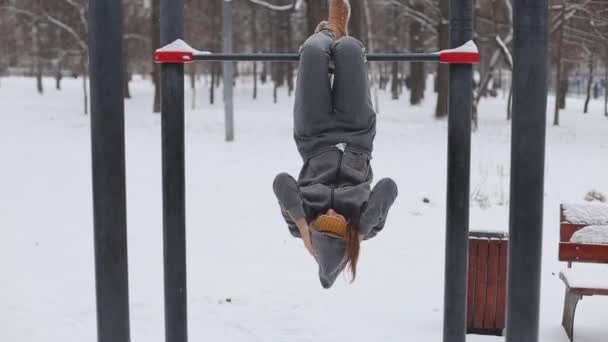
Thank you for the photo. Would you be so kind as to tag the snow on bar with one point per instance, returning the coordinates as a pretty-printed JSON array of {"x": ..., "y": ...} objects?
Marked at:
[
  {"x": 180, "y": 52},
  {"x": 177, "y": 52}
]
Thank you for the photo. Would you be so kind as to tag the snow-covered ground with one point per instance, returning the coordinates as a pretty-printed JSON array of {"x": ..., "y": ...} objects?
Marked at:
[{"x": 238, "y": 246}]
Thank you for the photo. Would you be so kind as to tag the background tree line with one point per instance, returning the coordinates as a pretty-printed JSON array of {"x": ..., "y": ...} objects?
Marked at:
[{"x": 49, "y": 38}]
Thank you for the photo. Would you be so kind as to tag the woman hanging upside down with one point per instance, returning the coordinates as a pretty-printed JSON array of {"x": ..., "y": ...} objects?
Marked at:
[{"x": 331, "y": 206}]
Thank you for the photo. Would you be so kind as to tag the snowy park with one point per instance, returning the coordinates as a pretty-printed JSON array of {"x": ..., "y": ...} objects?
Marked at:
[
  {"x": 304, "y": 170},
  {"x": 248, "y": 279}
]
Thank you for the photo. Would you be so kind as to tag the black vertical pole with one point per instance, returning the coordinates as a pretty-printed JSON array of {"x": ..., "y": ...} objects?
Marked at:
[
  {"x": 530, "y": 21},
  {"x": 108, "y": 162},
  {"x": 174, "y": 199},
  {"x": 458, "y": 182}
]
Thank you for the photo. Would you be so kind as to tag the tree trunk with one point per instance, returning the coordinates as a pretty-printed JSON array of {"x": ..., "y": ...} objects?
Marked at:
[
  {"x": 510, "y": 103},
  {"x": 316, "y": 11},
  {"x": 564, "y": 86},
  {"x": 589, "y": 82},
  {"x": 126, "y": 76},
  {"x": 279, "y": 38},
  {"x": 274, "y": 45},
  {"x": 289, "y": 66},
  {"x": 254, "y": 37},
  {"x": 58, "y": 75},
  {"x": 37, "y": 58},
  {"x": 383, "y": 77},
  {"x": 229, "y": 67},
  {"x": 127, "y": 81},
  {"x": 264, "y": 74},
  {"x": 193, "y": 74},
  {"x": 220, "y": 71},
  {"x": 357, "y": 22},
  {"x": 606, "y": 84},
  {"x": 443, "y": 70},
  {"x": 85, "y": 72},
  {"x": 417, "y": 76},
  {"x": 395, "y": 81},
  {"x": 58, "y": 78},
  {"x": 483, "y": 86},
  {"x": 39, "y": 85},
  {"x": 498, "y": 84},
  {"x": 214, "y": 73},
  {"x": 155, "y": 38},
  {"x": 396, "y": 47},
  {"x": 401, "y": 71},
  {"x": 369, "y": 29},
  {"x": 255, "y": 80},
  {"x": 558, "y": 67}
]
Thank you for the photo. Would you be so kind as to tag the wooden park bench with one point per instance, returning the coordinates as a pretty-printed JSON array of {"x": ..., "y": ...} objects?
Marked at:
[
  {"x": 487, "y": 283},
  {"x": 583, "y": 238}
]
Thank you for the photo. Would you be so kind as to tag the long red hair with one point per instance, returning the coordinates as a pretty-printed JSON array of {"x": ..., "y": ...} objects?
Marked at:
[{"x": 353, "y": 246}]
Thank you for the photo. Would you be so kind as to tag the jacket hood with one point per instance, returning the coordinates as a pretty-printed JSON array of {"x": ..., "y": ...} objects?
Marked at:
[{"x": 330, "y": 255}]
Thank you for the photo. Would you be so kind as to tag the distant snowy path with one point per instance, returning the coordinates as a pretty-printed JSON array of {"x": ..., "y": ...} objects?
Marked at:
[{"x": 238, "y": 246}]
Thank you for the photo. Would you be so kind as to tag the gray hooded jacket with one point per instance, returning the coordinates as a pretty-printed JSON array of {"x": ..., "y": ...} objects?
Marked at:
[{"x": 336, "y": 177}]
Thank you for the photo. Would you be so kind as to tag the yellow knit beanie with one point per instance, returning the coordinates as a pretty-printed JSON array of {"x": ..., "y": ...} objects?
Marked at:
[{"x": 331, "y": 225}]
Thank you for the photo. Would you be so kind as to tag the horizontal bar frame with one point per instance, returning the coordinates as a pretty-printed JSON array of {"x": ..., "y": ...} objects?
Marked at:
[
  {"x": 179, "y": 52},
  {"x": 294, "y": 57}
]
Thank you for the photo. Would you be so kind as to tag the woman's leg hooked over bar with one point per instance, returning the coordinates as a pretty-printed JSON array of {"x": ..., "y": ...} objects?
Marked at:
[{"x": 313, "y": 103}]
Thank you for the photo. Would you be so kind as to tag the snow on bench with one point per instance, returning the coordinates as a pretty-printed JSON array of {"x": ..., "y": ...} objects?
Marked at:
[
  {"x": 591, "y": 235},
  {"x": 587, "y": 213},
  {"x": 595, "y": 278}
]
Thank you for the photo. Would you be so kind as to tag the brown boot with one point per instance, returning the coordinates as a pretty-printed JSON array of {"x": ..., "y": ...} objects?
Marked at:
[{"x": 339, "y": 15}]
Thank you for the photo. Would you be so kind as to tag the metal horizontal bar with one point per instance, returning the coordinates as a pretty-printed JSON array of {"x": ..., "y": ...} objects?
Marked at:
[
  {"x": 180, "y": 52},
  {"x": 294, "y": 57}
]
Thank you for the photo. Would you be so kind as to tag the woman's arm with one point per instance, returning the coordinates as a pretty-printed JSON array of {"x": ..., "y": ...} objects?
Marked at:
[
  {"x": 288, "y": 193},
  {"x": 380, "y": 201},
  {"x": 305, "y": 234}
]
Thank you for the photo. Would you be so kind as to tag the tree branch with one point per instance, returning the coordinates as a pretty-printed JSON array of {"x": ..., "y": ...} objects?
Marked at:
[
  {"x": 81, "y": 42},
  {"x": 293, "y": 7},
  {"x": 424, "y": 19},
  {"x": 82, "y": 9},
  {"x": 505, "y": 51},
  {"x": 136, "y": 36}
]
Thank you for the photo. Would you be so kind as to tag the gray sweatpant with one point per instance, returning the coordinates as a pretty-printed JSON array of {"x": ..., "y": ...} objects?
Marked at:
[{"x": 326, "y": 115}]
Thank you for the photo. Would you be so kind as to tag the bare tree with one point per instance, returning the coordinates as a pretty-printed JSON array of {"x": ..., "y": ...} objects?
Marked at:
[
  {"x": 589, "y": 80},
  {"x": 52, "y": 36}
]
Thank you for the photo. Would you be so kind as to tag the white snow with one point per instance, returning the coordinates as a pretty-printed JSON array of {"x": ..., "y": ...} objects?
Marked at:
[
  {"x": 468, "y": 47},
  {"x": 587, "y": 278},
  {"x": 591, "y": 235},
  {"x": 181, "y": 46},
  {"x": 587, "y": 213},
  {"x": 238, "y": 245},
  {"x": 502, "y": 232}
]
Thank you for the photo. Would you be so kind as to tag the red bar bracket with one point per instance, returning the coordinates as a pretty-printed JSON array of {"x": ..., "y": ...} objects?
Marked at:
[
  {"x": 465, "y": 54},
  {"x": 173, "y": 57},
  {"x": 176, "y": 52}
]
